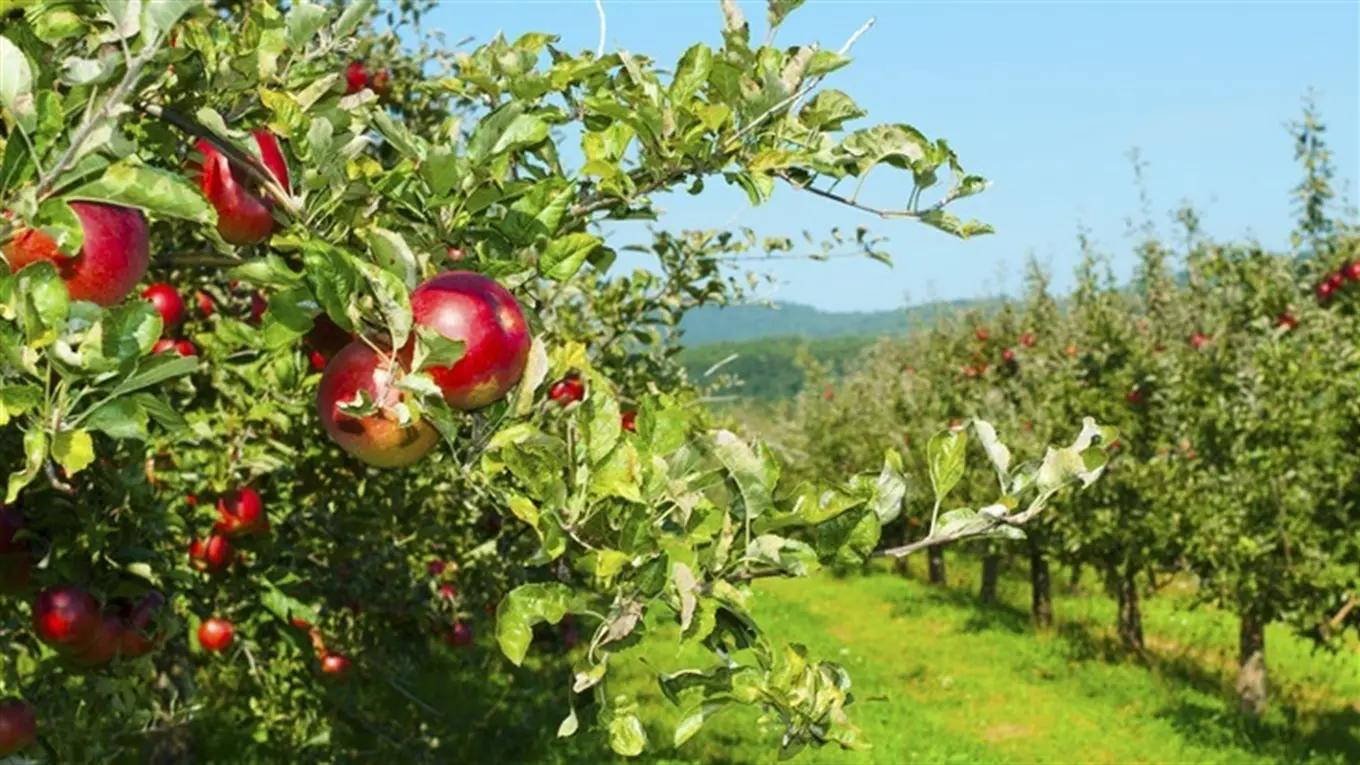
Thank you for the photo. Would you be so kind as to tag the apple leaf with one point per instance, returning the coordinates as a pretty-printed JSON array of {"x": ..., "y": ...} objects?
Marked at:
[
  {"x": 122, "y": 418},
  {"x": 16, "y": 85},
  {"x": 158, "y": 192},
  {"x": 565, "y": 255},
  {"x": 525, "y": 606},
  {"x": 35, "y": 451},
  {"x": 73, "y": 450},
  {"x": 945, "y": 456}
]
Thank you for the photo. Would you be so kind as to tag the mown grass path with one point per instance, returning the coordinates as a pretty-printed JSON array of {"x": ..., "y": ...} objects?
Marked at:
[{"x": 939, "y": 678}]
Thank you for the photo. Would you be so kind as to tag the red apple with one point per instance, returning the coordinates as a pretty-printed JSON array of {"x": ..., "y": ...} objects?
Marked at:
[
  {"x": 356, "y": 77},
  {"x": 335, "y": 665},
  {"x": 241, "y": 513},
  {"x": 17, "y": 726},
  {"x": 448, "y": 591},
  {"x": 1337, "y": 280},
  {"x": 216, "y": 635},
  {"x": 115, "y": 254},
  {"x": 1286, "y": 319},
  {"x": 1198, "y": 340},
  {"x": 1008, "y": 355},
  {"x": 168, "y": 303},
  {"x": 103, "y": 647},
  {"x": 378, "y": 439},
  {"x": 630, "y": 419},
  {"x": 210, "y": 555},
  {"x": 478, "y": 312},
  {"x": 182, "y": 347},
  {"x": 317, "y": 361},
  {"x": 1352, "y": 271},
  {"x": 327, "y": 338},
  {"x": 205, "y": 304},
  {"x": 243, "y": 213},
  {"x": 381, "y": 83},
  {"x": 66, "y": 618},
  {"x": 1027, "y": 340},
  {"x": 981, "y": 335},
  {"x": 436, "y": 567},
  {"x": 1324, "y": 291},
  {"x": 459, "y": 635},
  {"x": 568, "y": 390},
  {"x": 259, "y": 304}
]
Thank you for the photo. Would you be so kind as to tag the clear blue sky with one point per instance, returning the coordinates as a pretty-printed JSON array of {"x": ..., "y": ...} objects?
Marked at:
[{"x": 1044, "y": 99}]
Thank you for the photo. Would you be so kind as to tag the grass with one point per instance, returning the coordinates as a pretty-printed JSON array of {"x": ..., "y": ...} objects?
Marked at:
[{"x": 939, "y": 679}]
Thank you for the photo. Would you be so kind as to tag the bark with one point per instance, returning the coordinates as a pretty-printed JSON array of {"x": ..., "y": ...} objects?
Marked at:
[
  {"x": 935, "y": 558},
  {"x": 902, "y": 566},
  {"x": 1074, "y": 583},
  {"x": 991, "y": 567},
  {"x": 1130, "y": 626},
  {"x": 1041, "y": 606},
  {"x": 1251, "y": 674}
]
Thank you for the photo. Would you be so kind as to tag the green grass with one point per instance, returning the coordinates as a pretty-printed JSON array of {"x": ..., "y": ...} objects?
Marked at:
[{"x": 940, "y": 679}]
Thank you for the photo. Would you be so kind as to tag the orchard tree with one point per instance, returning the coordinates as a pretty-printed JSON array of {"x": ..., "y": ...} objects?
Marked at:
[{"x": 311, "y": 352}]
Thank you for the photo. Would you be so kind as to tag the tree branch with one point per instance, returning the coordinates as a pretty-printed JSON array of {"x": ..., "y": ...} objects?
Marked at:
[
  {"x": 119, "y": 94},
  {"x": 599, "y": 49}
]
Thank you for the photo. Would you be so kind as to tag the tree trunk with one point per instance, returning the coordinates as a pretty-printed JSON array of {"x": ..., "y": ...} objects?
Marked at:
[
  {"x": 1251, "y": 674},
  {"x": 1130, "y": 626},
  {"x": 1074, "y": 583},
  {"x": 902, "y": 566},
  {"x": 991, "y": 567},
  {"x": 935, "y": 557},
  {"x": 1041, "y": 607}
]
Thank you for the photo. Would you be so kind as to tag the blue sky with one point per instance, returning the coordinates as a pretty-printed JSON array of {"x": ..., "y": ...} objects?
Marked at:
[{"x": 1044, "y": 99}]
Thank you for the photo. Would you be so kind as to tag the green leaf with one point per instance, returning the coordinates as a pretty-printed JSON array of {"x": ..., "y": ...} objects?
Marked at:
[
  {"x": 354, "y": 15},
  {"x": 73, "y": 450},
  {"x": 952, "y": 224},
  {"x": 565, "y": 255},
  {"x": 35, "y": 451},
  {"x": 15, "y": 400},
  {"x": 156, "y": 369},
  {"x": 393, "y": 300},
  {"x": 158, "y": 192},
  {"x": 691, "y": 73},
  {"x": 304, "y": 21},
  {"x": 535, "y": 371},
  {"x": 401, "y": 139},
  {"x": 130, "y": 330},
  {"x": 526, "y": 606},
  {"x": 435, "y": 350},
  {"x": 890, "y": 489},
  {"x": 996, "y": 451},
  {"x": 945, "y": 454},
  {"x": 16, "y": 85},
  {"x": 829, "y": 110},
  {"x": 747, "y": 470},
  {"x": 825, "y": 62},
  {"x": 605, "y": 425},
  {"x": 123, "y": 418},
  {"x": 507, "y": 128},
  {"x": 619, "y": 474},
  {"x": 394, "y": 254},
  {"x": 159, "y": 16},
  {"x": 627, "y": 737},
  {"x": 694, "y": 720},
  {"x": 780, "y": 9},
  {"x": 442, "y": 169},
  {"x": 45, "y": 301},
  {"x": 569, "y": 726}
]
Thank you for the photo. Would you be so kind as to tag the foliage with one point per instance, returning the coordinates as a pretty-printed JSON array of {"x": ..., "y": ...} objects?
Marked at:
[{"x": 324, "y": 205}]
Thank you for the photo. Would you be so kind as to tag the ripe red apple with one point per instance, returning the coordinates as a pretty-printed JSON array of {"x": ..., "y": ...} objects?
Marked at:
[
  {"x": 17, "y": 726},
  {"x": 448, "y": 591},
  {"x": 1198, "y": 340},
  {"x": 356, "y": 78},
  {"x": 244, "y": 215},
  {"x": 327, "y": 338},
  {"x": 66, "y": 618},
  {"x": 317, "y": 361},
  {"x": 113, "y": 259},
  {"x": 258, "y": 305},
  {"x": 1324, "y": 291},
  {"x": 103, "y": 646},
  {"x": 301, "y": 623},
  {"x": 1352, "y": 271},
  {"x": 335, "y": 665},
  {"x": 1337, "y": 280},
  {"x": 478, "y": 312},
  {"x": 168, "y": 303},
  {"x": 381, "y": 83},
  {"x": 205, "y": 304},
  {"x": 1286, "y": 319},
  {"x": 1008, "y": 355},
  {"x": 216, "y": 635},
  {"x": 456, "y": 254},
  {"x": 630, "y": 419},
  {"x": 1071, "y": 349},
  {"x": 241, "y": 513},
  {"x": 1134, "y": 397},
  {"x": 459, "y": 635},
  {"x": 981, "y": 335},
  {"x": 378, "y": 439},
  {"x": 568, "y": 390},
  {"x": 210, "y": 555},
  {"x": 1027, "y": 340},
  {"x": 436, "y": 567},
  {"x": 182, "y": 347}
]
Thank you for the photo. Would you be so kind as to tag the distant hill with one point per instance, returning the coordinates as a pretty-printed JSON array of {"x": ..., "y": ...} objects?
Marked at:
[{"x": 711, "y": 324}]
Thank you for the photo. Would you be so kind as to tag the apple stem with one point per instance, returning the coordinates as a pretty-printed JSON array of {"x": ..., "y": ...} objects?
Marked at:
[{"x": 97, "y": 118}]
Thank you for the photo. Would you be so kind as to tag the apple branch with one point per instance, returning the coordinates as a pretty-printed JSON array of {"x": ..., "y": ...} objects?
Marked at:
[
  {"x": 599, "y": 49},
  {"x": 94, "y": 120},
  {"x": 968, "y": 532},
  {"x": 248, "y": 162}
]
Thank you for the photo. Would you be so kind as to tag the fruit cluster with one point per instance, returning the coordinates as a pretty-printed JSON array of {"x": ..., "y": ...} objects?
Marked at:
[{"x": 1348, "y": 273}]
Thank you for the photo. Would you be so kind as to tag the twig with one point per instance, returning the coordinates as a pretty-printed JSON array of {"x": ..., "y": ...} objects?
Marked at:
[
  {"x": 205, "y": 261},
  {"x": 599, "y": 49},
  {"x": 56, "y": 482},
  {"x": 118, "y": 95},
  {"x": 799, "y": 92},
  {"x": 967, "y": 532}
]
